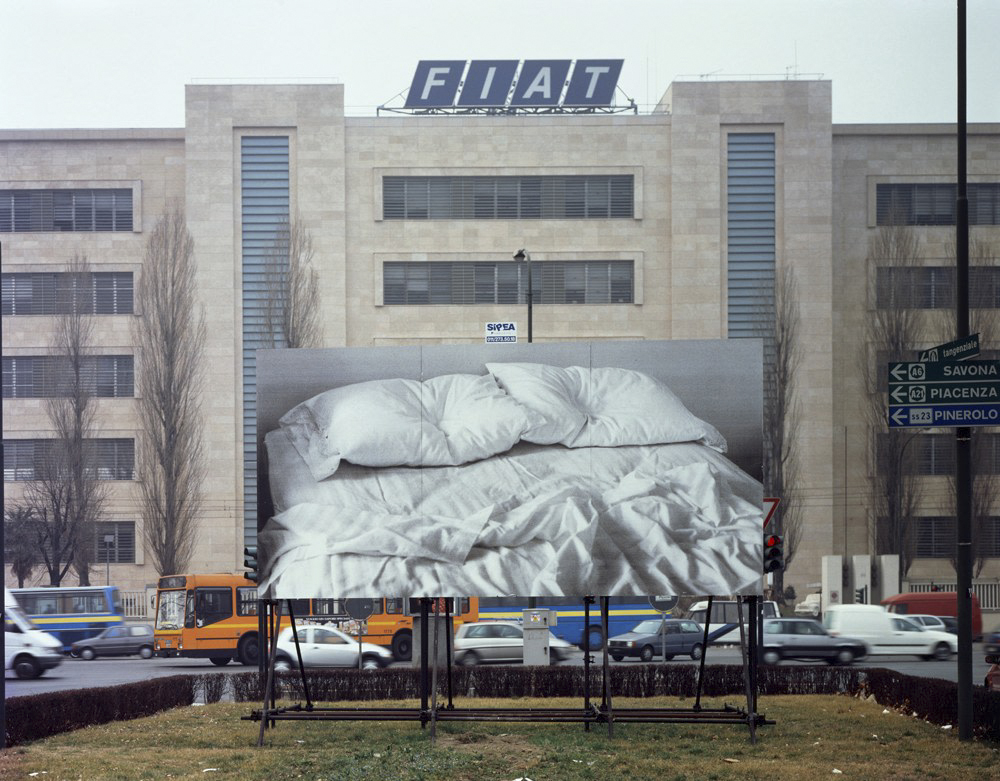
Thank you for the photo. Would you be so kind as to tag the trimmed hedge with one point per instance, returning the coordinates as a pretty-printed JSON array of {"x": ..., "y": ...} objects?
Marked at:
[{"x": 41, "y": 715}]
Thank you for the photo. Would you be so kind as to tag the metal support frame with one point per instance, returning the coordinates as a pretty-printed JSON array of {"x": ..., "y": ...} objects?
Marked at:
[{"x": 588, "y": 715}]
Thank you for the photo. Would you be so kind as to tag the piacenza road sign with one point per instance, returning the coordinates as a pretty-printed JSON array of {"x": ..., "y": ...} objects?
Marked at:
[{"x": 959, "y": 393}]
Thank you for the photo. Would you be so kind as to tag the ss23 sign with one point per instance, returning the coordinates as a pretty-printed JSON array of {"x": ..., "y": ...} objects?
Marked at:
[{"x": 501, "y": 333}]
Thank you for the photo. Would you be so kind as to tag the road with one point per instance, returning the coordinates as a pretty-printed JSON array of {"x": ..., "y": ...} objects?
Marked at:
[{"x": 78, "y": 674}]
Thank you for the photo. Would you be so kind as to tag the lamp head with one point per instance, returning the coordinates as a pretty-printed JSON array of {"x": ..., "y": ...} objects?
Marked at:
[{"x": 520, "y": 256}]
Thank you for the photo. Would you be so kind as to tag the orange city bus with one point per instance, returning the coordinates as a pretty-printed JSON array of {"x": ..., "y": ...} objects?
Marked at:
[{"x": 215, "y": 617}]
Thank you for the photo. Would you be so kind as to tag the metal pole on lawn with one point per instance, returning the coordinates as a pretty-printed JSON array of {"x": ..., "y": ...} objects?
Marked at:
[
  {"x": 609, "y": 710},
  {"x": 424, "y": 651},
  {"x": 586, "y": 660},
  {"x": 663, "y": 636},
  {"x": 704, "y": 653},
  {"x": 963, "y": 449}
]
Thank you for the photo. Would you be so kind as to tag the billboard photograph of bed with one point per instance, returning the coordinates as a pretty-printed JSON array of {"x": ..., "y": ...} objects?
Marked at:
[{"x": 553, "y": 469}]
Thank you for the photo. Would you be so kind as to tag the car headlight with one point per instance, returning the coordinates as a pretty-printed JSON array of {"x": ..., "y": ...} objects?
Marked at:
[{"x": 631, "y": 643}]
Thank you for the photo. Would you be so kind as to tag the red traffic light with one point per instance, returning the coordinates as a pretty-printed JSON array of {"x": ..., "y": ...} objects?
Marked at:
[{"x": 771, "y": 540}]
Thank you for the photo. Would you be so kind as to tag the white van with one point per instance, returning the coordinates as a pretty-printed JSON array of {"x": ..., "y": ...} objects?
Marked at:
[
  {"x": 28, "y": 651},
  {"x": 887, "y": 633}
]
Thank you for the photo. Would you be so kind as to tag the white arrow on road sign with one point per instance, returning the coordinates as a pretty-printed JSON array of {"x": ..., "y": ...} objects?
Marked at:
[
  {"x": 900, "y": 394},
  {"x": 899, "y": 417},
  {"x": 899, "y": 372}
]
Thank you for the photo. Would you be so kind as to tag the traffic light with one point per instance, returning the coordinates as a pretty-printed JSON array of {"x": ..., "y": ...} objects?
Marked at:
[
  {"x": 250, "y": 561},
  {"x": 861, "y": 596},
  {"x": 774, "y": 554}
]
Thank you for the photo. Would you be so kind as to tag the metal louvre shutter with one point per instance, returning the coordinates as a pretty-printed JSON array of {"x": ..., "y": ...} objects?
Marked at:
[
  {"x": 43, "y": 211},
  {"x": 553, "y": 282},
  {"x": 109, "y": 293},
  {"x": 47, "y": 376},
  {"x": 507, "y": 197},
  {"x": 750, "y": 223},
  {"x": 264, "y": 176}
]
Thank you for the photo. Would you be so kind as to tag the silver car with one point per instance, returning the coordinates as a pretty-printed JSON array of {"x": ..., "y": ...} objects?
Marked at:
[
  {"x": 803, "y": 638},
  {"x": 499, "y": 641}
]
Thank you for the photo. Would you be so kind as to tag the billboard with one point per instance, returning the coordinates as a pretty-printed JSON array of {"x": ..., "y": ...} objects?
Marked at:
[
  {"x": 496, "y": 84},
  {"x": 554, "y": 469}
]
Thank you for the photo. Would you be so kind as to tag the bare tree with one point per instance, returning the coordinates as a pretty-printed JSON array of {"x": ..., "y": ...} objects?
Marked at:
[
  {"x": 168, "y": 337},
  {"x": 291, "y": 314},
  {"x": 894, "y": 329},
  {"x": 783, "y": 357},
  {"x": 67, "y": 496},
  {"x": 21, "y": 535},
  {"x": 984, "y": 319}
]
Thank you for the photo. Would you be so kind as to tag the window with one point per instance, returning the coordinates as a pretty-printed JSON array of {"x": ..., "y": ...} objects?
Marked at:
[
  {"x": 48, "y": 376},
  {"x": 213, "y": 605},
  {"x": 507, "y": 197},
  {"x": 246, "y": 601},
  {"x": 119, "y": 550},
  {"x": 100, "y": 293},
  {"x": 553, "y": 282},
  {"x": 42, "y": 211},
  {"x": 935, "y": 537},
  {"x": 31, "y": 459},
  {"x": 934, "y": 204}
]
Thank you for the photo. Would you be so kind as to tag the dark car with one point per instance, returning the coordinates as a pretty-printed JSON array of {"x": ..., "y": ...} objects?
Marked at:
[
  {"x": 991, "y": 643},
  {"x": 950, "y": 624},
  {"x": 803, "y": 638},
  {"x": 647, "y": 640},
  {"x": 121, "y": 640}
]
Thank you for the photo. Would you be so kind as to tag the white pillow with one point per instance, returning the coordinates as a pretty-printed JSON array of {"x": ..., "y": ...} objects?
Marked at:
[
  {"x": 602, "y": 407},
  {"x": 446, "y": 420}
]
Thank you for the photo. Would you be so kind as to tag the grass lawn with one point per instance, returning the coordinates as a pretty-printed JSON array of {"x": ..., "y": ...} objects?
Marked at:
[{"x": 814, "y": 737}]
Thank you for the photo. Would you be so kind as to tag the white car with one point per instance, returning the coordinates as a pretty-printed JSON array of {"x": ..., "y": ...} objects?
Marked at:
[
  {"x": 927, "y": 621},
  {"x": 810, "y": 606},
  {"x": 888, "y": 633},
  {"x": 325, "y": 646}
]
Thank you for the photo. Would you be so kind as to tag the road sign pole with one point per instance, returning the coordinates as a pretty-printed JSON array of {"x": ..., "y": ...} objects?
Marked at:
[{"x": 963, "y": 445}]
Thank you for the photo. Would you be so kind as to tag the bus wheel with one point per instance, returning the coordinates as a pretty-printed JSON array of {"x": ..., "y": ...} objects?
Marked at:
[
  {"x": 596, "y": 637},
  {"x": 402, "y": 646},
  {"x": 219, "y": 661},
  {"x": 248, "y": 651}
]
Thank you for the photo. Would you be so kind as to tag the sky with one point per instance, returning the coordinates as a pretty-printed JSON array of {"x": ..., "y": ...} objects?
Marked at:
[{"x": 125, "y": 63}]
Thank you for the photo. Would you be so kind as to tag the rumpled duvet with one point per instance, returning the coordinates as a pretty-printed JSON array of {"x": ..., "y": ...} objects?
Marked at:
[{"x": 537, "y": 520}]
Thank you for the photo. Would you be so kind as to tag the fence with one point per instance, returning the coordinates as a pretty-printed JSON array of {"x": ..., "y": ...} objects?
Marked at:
[
  {"x": 987, "y": 591},
  {"x": 136, "y": 604}
]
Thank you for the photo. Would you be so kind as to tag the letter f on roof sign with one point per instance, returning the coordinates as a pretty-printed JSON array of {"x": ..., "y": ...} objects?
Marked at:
[{"x": 432, "y": 80}]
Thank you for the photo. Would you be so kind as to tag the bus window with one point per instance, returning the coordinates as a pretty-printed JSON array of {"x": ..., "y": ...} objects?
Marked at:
[
  {"x": 213, "y": 605},
  {"x": 246, "y": 601},
  {"x": 300, "y": 608},
  {"x": 170, "y": 613},
  {"x": 394, "y": 606},
  {"x": 88, "y": 603}
]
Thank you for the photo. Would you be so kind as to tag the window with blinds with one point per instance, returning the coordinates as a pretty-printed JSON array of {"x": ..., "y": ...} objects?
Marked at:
[
  {"x": 120, "y": 550},
  {"x": 933, "y": 287},
  {"x": 30, "y": 459},
  {"x": 936, "y": 537},
  {"x": 42, "y": 211},
  {"x": 552, "y": 282},
  {"x": 934, "y": 204},
  {"x": 99, "y": 293},
  {"x": 507, "y": 197},
  {"x": 49, "y": 376}
]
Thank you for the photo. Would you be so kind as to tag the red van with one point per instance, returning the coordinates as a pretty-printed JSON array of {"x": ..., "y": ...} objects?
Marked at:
[{"x": 934, "y": 603}]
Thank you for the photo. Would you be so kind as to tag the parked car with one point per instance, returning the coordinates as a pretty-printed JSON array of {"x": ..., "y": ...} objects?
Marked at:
[
  {"x": 326, "y": 646},
  {"x": 804, "y": 638},
  {"x": 950, "y": 624},
  {"x": 810, "y": 606},
  {"x": 888, "y": 633},
  {"x": 28, "y": 651},
  {"x": 935, "y": 603},
  {"x": 500, "y": 641},
  {"x": 123, "y": 640},
  {"x": 991, "y": 642},
  {"x": 647, "y": 639}
]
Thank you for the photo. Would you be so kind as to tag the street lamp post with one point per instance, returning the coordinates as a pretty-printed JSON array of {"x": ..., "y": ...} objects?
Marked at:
[
  {"x": 523, "y": 257},
  {"x": 109, "y": 541}
]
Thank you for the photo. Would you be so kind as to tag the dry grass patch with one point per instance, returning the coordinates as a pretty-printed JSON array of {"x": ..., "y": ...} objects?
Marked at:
[{"x": 814, "y": 735}]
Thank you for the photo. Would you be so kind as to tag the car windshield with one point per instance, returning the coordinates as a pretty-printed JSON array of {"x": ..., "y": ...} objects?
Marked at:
[
  {"x": 650, "y": 627},
  {"x": 170, "y": 612}
]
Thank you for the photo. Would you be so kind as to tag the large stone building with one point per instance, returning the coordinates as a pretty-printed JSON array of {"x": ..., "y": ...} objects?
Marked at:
[{"x": 658, "y": 226}]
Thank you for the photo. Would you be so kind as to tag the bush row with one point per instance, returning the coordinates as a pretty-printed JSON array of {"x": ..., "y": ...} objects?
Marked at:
[{"x": 42, "y": 715}]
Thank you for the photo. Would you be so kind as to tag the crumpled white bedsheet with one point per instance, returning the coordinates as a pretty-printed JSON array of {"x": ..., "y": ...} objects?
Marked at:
[{"x": 539, "y": 521}]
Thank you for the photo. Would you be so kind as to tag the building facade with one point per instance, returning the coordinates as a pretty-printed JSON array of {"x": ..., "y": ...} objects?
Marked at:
[{"x": 670, "y": 225}]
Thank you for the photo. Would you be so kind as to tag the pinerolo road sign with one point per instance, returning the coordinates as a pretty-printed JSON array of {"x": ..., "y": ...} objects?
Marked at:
[{"x": 947, "y": 393}]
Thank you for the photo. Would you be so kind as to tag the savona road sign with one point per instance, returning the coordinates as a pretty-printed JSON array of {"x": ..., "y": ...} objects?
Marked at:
[{"x": 945, "y": 393}]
